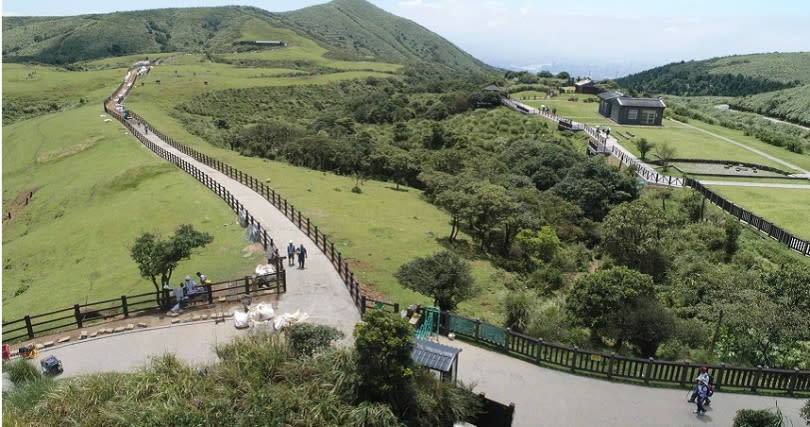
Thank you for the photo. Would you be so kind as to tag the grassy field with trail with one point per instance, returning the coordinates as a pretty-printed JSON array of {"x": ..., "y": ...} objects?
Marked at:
[
  {"x": 95, "y": 190},
  {"x": 785, "y": 207}
]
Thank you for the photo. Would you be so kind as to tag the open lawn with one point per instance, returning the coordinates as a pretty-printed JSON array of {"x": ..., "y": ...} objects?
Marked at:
[
  {"x": 785, "y": 207},
  {"x": 95, "y": 190}
]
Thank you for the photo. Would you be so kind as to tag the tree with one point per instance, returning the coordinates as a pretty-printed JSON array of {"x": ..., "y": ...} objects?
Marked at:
[
  {"x": 445, "y": 276},
  {"x": 644, "y": 322},
  {"x": 632, "y": 236},
  {"x": 596, "y": 296},
  {"x": 542, "y": 244},
  {"x": 733, "y": 231},
  {"x": 384, "y": 365},
  {"x": 643, "y": 146},
  {"x": 563, "y": 75},
  {"x": 158, "y": 258},
  {"x": 666, "y": 153}
]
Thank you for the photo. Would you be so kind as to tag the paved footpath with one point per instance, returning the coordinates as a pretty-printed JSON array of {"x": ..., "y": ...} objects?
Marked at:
[
  {"x": 547, "y": 397},
  {"x": 317, "y": 290}
]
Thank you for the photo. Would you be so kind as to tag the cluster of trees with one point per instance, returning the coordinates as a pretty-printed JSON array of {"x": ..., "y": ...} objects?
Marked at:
[{"x": 561, "y": 224}]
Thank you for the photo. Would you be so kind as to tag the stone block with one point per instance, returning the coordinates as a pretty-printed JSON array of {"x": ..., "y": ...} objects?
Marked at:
[
  {"x": 195, "y": 318},
  {"x": 39, "y": 346},
  {"x": 142, "y": 324},
  {"x": 175, "y": 320},
  {"x": 63, "y": 339},
  {"x": 204, "y": 317},
  {"x": 130, "y": 326},
  {"x": 48, "y": 344},
  {"x": 119, "y": 329},
  {"x": 83, "y": 335},
  {"x": 92, "y": 335}
]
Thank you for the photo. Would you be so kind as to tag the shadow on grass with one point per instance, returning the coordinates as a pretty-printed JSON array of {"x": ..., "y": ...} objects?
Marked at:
[{"x": 464, "y": 248}]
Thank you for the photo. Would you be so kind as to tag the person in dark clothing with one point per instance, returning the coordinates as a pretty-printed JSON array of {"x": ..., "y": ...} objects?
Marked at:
[
  {"x": 291, "y": 253},
  {"x": 302, "y": 256}
]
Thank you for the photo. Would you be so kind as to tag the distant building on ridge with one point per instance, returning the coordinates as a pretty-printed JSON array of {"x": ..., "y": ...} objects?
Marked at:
[
  {"x": 625, "y": 110},
  {"x": 585, "y": 86}
]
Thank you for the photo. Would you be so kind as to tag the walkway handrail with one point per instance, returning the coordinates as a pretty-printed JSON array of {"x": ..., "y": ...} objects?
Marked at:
[
  {"x": 304, "y": 223},
  {"x": 612, "y": 366}
]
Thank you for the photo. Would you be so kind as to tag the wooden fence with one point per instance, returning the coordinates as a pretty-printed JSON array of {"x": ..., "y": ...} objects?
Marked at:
[
  {"x": 81, "y": 315},
  {"x": 304, "y": 223},
  {"x": 610, "y": 365},
  {"x": 797, "y": 244}
]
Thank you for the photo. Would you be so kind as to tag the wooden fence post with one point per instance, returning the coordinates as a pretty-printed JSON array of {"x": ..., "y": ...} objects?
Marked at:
[
  {"x": 647, "y": 371},
  {"x": 396, "y": 310},
  {"x": 684, "y": 368},
  {"x": 28, "y": 327},
  {"x": 362, "y": 304},
  {"x": 124, "y": 306},
  {"x": 247, "y": 285},
  {"x": 77, "y": 314},
  {"x": 539, "y": 356},
  {"x": 792, "y": 381},
  {"x": 755, "y": 383},
  {"x": 574, "y": 359},
  {"x": 210, "y": 292},
  {"x": 506, "y": 337},
  {"x": 477, "y": 328},
  {"x": 610, "y": 365}
]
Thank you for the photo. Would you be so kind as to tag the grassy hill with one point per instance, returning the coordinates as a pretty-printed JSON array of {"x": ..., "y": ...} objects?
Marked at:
[
  {"x": 356, "y": 27},
  {"x": 792, "y": 105},
  {"x": 727, "y": 76},
  {"x": 352, "y": 29}
]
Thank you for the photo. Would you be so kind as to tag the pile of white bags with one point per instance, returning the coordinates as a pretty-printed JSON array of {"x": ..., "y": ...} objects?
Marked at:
[
  {"x": 241, "y": 319},
  {"x": 287, "y": 319}
]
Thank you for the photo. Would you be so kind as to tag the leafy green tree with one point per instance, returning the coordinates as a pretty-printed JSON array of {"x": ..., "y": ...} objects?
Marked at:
[
  {"x": 307, "y": 339},
  {"x": 445, "y": 276},
  {"x": 644, "y": 322},
  {"x": 789, "y": 285},
  {"x": 597, "y": 296},
  {"x": 632, "y": 235},
  {"x": 542, "y": 244},
  {"x": 733, "y": 231},
  {"x": 157, "y": 257},
  {"x": 666, "y": 153},
  {"x": 384, "y": 365},
  {"x": 693, "y": 205},
  {"x": 563, "y": 75},
  {"x": 643, "y": 147},
  {"x": 596, "y": 187}
]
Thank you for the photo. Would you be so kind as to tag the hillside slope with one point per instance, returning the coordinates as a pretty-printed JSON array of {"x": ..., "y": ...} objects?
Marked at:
[
  {"x": 351, "y": 29},
  {"x": 356, "y": 27},
  {"x": 727, "y": 76},
  {"x": 792, "y": 105}
]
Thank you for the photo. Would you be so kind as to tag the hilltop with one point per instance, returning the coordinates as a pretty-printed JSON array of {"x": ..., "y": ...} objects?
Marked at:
[
  {"x": 352, "y": 29},
  {"x": 737, "y": 75},
  {"x": 356, "y": 27}
]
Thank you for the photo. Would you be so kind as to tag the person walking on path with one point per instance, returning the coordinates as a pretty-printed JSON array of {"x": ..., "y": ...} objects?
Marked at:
[
  {"x": 291, "y": 253},
  {"x": 302, "y": 256}
]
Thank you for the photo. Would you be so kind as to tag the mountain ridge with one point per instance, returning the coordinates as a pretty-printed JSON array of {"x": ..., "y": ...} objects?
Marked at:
[{"x": 349, "y": 29}]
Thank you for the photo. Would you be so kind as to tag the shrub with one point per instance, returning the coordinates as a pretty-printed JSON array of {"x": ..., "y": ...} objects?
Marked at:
[
  {"x": 21, "y": 371},
  {"x": 757, "y": 418},
  {"x": 518, "y": 309},
  {"x": 805, "y": 412},
  {"x": 307, "y": 339}
]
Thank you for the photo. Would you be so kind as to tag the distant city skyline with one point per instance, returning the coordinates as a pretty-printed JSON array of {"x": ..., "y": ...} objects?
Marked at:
[{"x": 597, "y": 38}]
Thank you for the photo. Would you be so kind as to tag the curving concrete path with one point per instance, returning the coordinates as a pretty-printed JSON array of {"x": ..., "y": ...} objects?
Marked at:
[{"x": 317, "y": 290}]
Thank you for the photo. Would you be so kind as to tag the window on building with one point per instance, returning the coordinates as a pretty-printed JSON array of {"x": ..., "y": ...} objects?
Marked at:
[
  {"x": 648, "y": 117},
  {"x": 632, "y": 114}
]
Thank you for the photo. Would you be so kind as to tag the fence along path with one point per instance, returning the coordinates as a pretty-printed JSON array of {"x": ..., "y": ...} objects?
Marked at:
[{"x": 598, "y": 143}]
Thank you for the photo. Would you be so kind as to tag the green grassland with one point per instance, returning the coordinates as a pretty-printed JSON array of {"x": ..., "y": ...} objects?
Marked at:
[
  {"x": 30, "y": 90},
  {"x": 297, "y": 50},
  {"x": 784, "y": 67},
  {"x": 785, "y": 207},
  {"x": 792, "y": 104},
  {"x": 96, "y": 189}
]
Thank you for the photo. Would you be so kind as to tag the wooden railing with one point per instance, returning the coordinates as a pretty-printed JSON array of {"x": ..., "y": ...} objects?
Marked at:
[
  {"x": 612, "y": 366},
  {"x": 304, "y": 223},
  {"x": 797, "y": 244},
  {"x": 81, "y": 315}
]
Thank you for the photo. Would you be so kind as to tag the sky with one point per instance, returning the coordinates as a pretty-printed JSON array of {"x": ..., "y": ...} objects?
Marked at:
[{"x": 587, "y": 37}]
